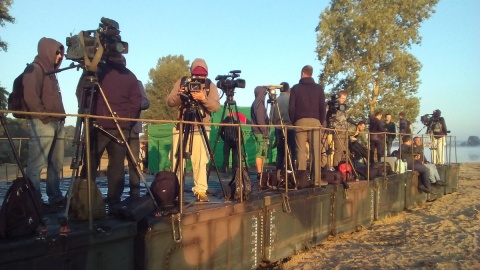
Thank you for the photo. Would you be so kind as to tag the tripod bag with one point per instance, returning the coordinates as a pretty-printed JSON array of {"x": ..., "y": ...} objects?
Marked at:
[
  {"x": 21, "y": 211},
  {"x": 235, "y": 184}
]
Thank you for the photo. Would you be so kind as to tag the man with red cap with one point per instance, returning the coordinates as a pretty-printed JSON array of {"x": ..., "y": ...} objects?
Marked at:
[{"x": 208, "y": 100}]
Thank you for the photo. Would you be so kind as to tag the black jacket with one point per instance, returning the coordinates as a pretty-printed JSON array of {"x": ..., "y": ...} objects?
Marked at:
[
  {"x": 307, "y": 100},
  {"x": 122, "y": 93}
]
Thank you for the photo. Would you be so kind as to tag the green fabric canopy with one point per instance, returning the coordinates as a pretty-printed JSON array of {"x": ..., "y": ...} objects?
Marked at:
[{"x": 160, "y": 142}]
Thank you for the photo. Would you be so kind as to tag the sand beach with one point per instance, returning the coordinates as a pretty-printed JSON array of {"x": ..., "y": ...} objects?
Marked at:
[{"x": 444, "y": 234}]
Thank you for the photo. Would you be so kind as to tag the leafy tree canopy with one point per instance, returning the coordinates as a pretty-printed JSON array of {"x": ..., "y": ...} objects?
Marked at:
[
  {"x": 363, "y": 48},
  {"x": 3, "y": 98},
  {"x": 169, "y": 69},
  {"x": 5, "y": 17}
]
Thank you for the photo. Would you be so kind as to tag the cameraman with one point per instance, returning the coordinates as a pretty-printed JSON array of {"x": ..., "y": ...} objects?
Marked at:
[
  {"x": 438, "y": 128},
  {"x": 122, "y": 94},
  {"x": 209, "y": 101},
  {"x": 338, "y": 120},
  {"x": 282, "y": 103}
]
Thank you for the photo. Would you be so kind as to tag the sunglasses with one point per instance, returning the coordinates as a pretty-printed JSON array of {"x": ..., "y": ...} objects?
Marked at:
[{"x": 58, "y": 53}]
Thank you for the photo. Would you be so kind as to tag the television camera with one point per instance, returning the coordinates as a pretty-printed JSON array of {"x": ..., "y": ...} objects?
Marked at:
[
  {"x": 334, "y": 105},
  {"x": 90, "y": 46},
  {"x": 432, "y": 121},
  {"x": 229, "y": 82}
]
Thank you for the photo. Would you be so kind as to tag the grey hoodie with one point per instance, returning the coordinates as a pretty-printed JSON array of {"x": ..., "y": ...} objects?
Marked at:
[
  {"x": 42, "y": 92},
  {"x": 259, "y": 111}
]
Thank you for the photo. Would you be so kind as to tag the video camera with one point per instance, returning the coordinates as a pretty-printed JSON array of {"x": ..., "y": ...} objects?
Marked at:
[
  {"x": 272, "y": 91},
  {"x": 432, "y": 121},
  {"x": 334, "y": 105},
  {"x": 228, "y": 83},
  {"x": 90, "y": 46},
  {"x": 426, "y": 119}
]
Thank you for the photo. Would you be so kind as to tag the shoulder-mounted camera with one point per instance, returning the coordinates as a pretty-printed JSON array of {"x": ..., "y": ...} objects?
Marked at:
[{"x": 89, "y": 46}]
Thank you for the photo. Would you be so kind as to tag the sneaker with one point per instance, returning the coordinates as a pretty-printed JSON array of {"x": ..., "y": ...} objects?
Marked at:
[
  {"x": 424, "y": 189},
  {"x": 201, "y": 197}
]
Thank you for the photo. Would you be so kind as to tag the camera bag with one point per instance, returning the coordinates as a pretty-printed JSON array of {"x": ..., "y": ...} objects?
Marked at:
[
  {"x": 134, "y": 208},
  {"x": 79, "y": 201},
  {"x": 165, "y": 189},
  {"x": 234, "y": 184},
  {"x": 21, "y": 212}
]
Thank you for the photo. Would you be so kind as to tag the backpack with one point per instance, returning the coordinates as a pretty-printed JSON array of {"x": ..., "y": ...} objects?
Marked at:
[
  {"x": 21, "y": 211},
  {"x": 16, "y": 101},
  {"x": 165, "y": 189},
  {"x": 437, "y": 127},
  {"x": 229, "y": 133},
  {"x": 79, "y": 201},
  {"x": 235, "y": 185}
]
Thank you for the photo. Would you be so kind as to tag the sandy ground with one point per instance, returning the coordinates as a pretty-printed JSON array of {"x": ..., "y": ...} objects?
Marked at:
[{"x": 444, "y": 234}]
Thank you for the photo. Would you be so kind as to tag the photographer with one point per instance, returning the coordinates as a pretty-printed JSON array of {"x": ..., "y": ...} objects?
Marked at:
[
  {"x": 282, "y": 103},
  {"x": 122, "y": 93},
  {"x": 358, "y": 141},
  {"x": 258, "y": 113},
  {"x": 208, "y": 101},
  {"x": 438, "y": 128},
  {"x": 337, "y": 118}
]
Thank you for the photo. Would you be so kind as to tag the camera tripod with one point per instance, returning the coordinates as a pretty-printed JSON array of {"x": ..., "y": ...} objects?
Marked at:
[
  {"x": 190, "y": 112},
  {"x": 342, "y": 145},
  {"x": 229, "y": 102},
  {"x": 90, "y": 89},
  {"x": 288, "y": 163}
]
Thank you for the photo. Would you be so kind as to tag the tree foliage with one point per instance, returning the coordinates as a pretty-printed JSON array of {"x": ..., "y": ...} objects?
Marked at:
[
  {"x": 3, "y": 98},
  {"x": 169, "y": 69},
  {"x": 363, "y": 48},
  {"x": 5, "y": 17}
]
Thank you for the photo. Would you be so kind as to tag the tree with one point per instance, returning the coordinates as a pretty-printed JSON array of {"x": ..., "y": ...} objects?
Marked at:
[
  {"x": 5, "y": 17},
  {"x": 3, "y": 98},
  {"x": 169, "y": 69},
  {"x": 363, "y": 48}
]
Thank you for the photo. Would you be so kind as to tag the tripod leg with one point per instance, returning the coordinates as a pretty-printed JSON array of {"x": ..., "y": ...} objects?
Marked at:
[{"x": 217, "y": 137}]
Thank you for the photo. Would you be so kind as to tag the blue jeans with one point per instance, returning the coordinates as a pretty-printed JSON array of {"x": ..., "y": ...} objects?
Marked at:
[{"x": 46, "y": 149}]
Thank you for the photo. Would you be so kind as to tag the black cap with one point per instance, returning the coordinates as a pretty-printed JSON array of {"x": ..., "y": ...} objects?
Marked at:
[{"x": 285, "y": 87}]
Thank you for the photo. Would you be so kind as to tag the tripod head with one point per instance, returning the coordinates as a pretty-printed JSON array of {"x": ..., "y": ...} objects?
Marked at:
[{"x": 272, "y": 92}]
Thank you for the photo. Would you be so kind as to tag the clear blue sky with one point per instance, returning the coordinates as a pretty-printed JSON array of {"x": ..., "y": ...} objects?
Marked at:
[{"x": 270, "y": 41}]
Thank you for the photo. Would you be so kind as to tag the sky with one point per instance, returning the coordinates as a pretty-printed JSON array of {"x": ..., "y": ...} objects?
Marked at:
[{"x": 269, "y": 41}]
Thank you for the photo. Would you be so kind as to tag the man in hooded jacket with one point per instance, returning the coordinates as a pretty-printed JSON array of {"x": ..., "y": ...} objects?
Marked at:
[
  {"x": 258, "y": 113},
  {"x": 47, "y": 135},
  {"x": 122, "y": 93},
  {"x": 208, "y": 102}
]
